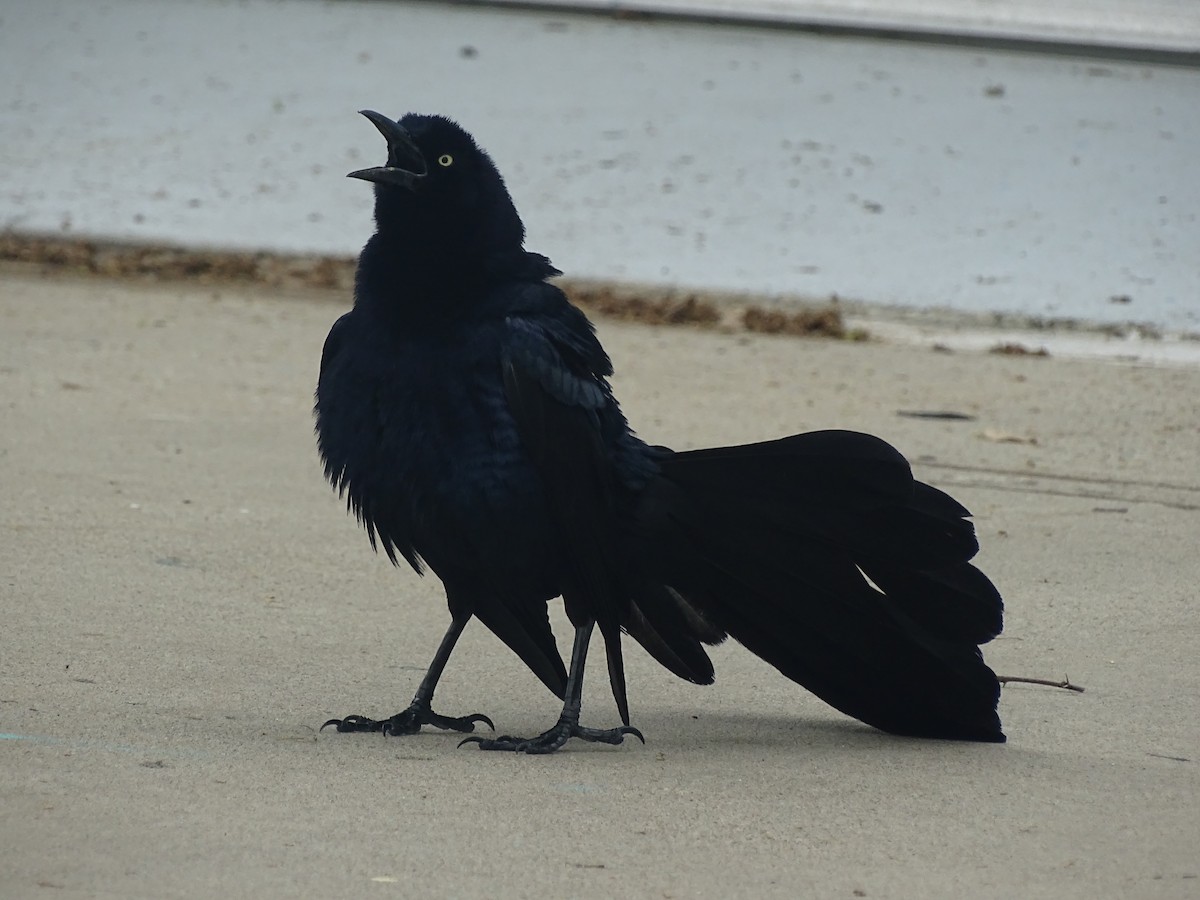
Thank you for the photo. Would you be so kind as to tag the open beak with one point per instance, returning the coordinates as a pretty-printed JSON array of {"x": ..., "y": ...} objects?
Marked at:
[{"x": 406, "y": 165}]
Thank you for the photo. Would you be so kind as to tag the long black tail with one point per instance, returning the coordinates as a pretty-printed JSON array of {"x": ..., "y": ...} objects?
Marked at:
[{"x": 821, "y": 554}]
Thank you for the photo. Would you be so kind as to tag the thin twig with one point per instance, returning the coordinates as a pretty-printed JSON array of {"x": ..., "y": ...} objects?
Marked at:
[{"x": 1065, "y": 683}]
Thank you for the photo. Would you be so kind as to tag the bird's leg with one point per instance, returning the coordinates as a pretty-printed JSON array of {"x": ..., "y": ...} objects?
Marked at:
[
  {"x": 568, "y": 725},
  {"x": 420, "y": 711}
]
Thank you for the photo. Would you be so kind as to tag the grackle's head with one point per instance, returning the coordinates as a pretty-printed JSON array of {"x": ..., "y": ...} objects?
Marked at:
[{"x": 439, "y": 187}]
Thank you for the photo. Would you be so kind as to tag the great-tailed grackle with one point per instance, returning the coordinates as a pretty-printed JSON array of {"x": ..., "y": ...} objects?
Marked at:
[{"x": 463, "y": 409}]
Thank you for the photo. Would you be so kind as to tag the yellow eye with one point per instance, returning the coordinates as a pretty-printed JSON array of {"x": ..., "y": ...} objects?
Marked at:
[{"x": 445, "y": 160}]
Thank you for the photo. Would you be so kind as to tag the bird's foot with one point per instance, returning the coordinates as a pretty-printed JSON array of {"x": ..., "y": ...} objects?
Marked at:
[
  {"x": 410, "y": 722},
  {"x": 549, "y": 741}
]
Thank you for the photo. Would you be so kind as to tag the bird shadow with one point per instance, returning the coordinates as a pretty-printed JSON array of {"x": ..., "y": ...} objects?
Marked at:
[{"x": 755, "y": 731}]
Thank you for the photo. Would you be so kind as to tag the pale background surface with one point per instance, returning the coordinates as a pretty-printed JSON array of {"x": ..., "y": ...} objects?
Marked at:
[
  {"x": 184, "y": 600},
  {"x": 1171, "y": 25},
  {"x": 735, "y": 158}
]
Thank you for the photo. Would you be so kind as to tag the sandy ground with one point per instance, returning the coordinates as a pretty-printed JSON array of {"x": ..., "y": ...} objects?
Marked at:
[{"x": 184, "y": 601}]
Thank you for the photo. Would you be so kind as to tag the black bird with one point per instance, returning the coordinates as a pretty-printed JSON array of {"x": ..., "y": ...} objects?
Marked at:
[{"x": 463, "y": 410}]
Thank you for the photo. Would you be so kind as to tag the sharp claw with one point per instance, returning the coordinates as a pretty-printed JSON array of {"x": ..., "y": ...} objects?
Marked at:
[
  {"x": 409, "y": 722},
  {"x": 463, "y": 724},
  {"x": 503, "y": 742},
  {"x": 553, "y": 740},
  {"x": 544, "y": 743}
]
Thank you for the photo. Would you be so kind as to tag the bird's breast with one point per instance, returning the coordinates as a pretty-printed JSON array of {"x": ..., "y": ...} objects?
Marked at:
[{"x": 437, "y": 463}]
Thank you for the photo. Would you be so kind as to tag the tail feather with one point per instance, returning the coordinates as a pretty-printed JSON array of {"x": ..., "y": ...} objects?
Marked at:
[
  {"x": 661, "y": 621},
  {"x": 771, "y": 542},
  {"x": 816, "y": 468},
  {"x": 850, "y": 489},
  {"x": 956, "y": 602},
  {"x": 616, "y": 669}
]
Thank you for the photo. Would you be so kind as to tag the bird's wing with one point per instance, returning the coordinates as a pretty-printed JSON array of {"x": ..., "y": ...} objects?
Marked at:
[
  {"x": 554, "y": 380},
  {"x": 333, "y": 343},
  {"x": 523, "y": 627}
]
